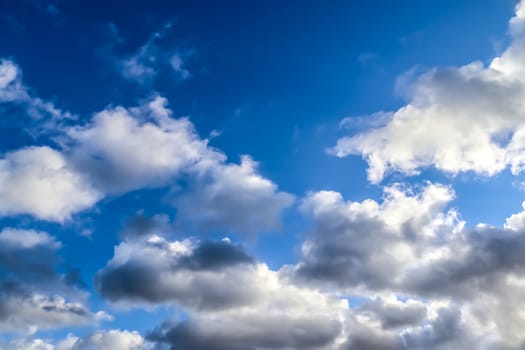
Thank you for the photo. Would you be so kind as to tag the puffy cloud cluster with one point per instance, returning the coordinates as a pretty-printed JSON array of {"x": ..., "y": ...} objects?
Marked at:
[
  {"x": 233, "y": 301},
  {"x": 112, "y": 339},
  {"x": 457, "y": 120},
  {"x": 32, "y": 294},
  {"x": 401, "y": 273},
  {"x": 122, "y": 150},
  {"x": 39, "y": 181},
  {"x": 233, "y": 197},
  {"x": 412, "y": 246},
  {"x": 372, "y": 244},
  {"x": 155, "y": 270},
  {"x": 443, "y": 287}
]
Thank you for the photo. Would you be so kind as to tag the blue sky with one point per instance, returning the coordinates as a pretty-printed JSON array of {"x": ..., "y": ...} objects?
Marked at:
[{"x": 262, "y": 175}]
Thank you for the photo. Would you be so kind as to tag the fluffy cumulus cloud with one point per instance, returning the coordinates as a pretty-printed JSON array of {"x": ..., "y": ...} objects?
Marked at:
[
  {"x": 413, "y": 245},
  {"x": 219, "y": 195},
  {"x": 403, "y": 272},
  {"x": 39, "y": 181},
  {"x": 128, "y": 149},
  {"x": 233, "y": 197},
  {"x": 32, "y": 294},
  {"x": 199, "y": 275},
  {"x": 372, "y": 243},
  {"x": 122, "y": 150},
  {"x": 113, "y": 339},
  {"x": 448, "y": 287},
  {"x": 110, "y": 340},
  {"x": 204, "y": 278},
  {"x": 457, "y": 120}
]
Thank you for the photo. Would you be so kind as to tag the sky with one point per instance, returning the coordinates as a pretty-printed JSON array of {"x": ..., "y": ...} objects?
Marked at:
[{"x": 242, "y": 175}]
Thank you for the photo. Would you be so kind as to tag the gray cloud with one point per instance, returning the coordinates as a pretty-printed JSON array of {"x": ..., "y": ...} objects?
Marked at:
[
  {"x": 411, "y": 245},
  {"x": 204, "y": 275},
  {"x": 368, "y": 243},
  {"x": 252, "y": 332},
  {"x": 395, "y": 314},
  {"x": 33, "y": 294}
]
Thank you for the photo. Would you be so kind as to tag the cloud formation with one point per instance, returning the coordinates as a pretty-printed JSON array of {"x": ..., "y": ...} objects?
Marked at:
[
  {"x": 150, "y": 59},
  {"x": 40, "y": 182},
  {"x": 204, "y": 278},
  {"x": 113, "y": 339},
  {"x": 14, "y": 91},
  {"x": 414, "y": 246},
  {"x": 128, "y": 149},
  {"x": 232, "y": 197},
  {"x": 122, "y": 150},
  {"x": 458, "y": 119},
  {"x": 201, "y": 275},
  {"x": 33, "y": 295}
]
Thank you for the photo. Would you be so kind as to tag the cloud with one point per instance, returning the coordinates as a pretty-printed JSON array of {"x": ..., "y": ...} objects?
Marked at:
[
  {"x": 250, "y": 331},
  {"x": 413, "y": 245},
  {"x": 14, "y": 91},
  {"x": 457, "y": 119},
  {"x": 197, "y": 275},
  {"x": 113, "y": 339},
  {"x": 121, "y": 150},
  {"x": 33, "y": 295},
  {"x": 370, "y": 244},
  {"x": 224, "y": 195},
  {"x": 283, "y": 316},
  {"x": 231, "y": 197},
  {"x": 40, "y": 182},
  {"x": 204, "y": 279},
  {"x": 27, "y": 311},
  {"x": 394, "y": 313},
  {"x": 124, "y": 150},
  {"x": 152, "y": 58},
  {"x": 177, "y": 63}
]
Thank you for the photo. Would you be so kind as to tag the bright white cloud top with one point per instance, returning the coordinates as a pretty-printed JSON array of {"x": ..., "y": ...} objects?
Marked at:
[{"x": 461, "y": 119}]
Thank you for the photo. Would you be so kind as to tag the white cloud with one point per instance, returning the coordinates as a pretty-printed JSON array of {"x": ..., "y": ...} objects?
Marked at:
[
  {"x": 177, "y": 63},
  {"x": 457, "y": 119},
  {"x": 153, "y": 58},
  {"x": 22, "y": 312},
  {"x": 40, "y": 182},
  {"x": 26, "y": 239},
  {"x": 122, "y": 150},
  {"x": 153, "y": 270},
  {"x": 204, "y": 278},
  {"x": 13, "y": 90},
  {"x": 516, "y": 221},
  {"x": 353, "y": 243},
  {"x": 232, "y": 197},
  {"x": 113, "y": 339},
  {"x": 410, "y": 245},
  {"x": 33, "y": 294},
  {"x": 11, "y": 87},
  {"x": 128, "y": 149},
  {"x": 122, "y": 153}
]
